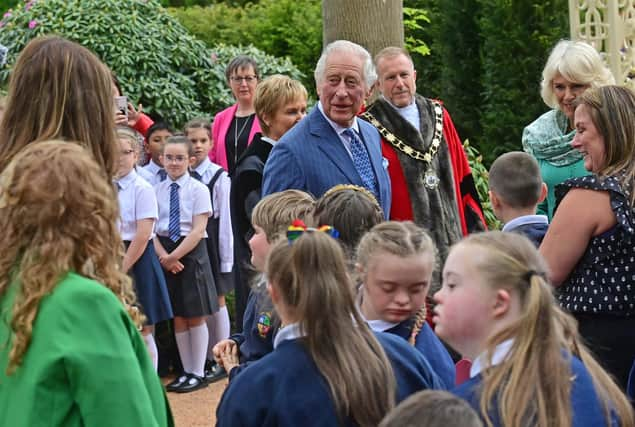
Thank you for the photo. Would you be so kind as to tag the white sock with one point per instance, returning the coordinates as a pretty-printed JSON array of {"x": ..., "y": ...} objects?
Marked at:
[
  {"x": 152, "y": 350},
  {"x": 185, "y": 350},
  {"x": 198, "y": 340},
  {"x": 218, "y": 326}
]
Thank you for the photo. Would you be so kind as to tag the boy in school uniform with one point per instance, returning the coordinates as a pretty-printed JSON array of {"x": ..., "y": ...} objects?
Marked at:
[
  {"x": 184, "y": 207},
  {"x": 156, "y": 137},
  {"x": 516, "y": 189}
]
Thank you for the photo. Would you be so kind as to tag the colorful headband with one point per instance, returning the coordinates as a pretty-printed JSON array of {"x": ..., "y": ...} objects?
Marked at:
[{"x": 298, "y": 227}]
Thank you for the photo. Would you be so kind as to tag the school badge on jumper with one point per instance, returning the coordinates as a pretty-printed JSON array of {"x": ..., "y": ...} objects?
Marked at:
[{"x": 264, "y": 323}]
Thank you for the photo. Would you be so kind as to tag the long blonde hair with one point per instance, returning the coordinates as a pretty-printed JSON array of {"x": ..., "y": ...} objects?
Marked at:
[
  {"x": 544, "y": 340},
  {"x": 312, "y": 279},
  {"x": 60, "y": 90},
  {"x": 58, "y": 214},
  {"x": 401, "y": 238}
]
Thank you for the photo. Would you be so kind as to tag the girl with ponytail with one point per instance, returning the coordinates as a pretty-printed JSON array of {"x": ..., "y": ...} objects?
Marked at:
[
  {"x": 327, "y": 368},
  {"x": 529, "y": 364}
]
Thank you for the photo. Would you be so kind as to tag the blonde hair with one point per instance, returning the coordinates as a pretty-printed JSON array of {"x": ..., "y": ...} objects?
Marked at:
[
  {"x": 576, "y": 61},
  {"x": 403, "y": 239},
  {"x": 352, "y": 210},
  {"x": 74, "y": 97},
  {"x": 273, "y": 93},
  {"x": 544, "y": 340},
  {"x": 275, "y": 212},
  {"x": 313, "y": 282},
  {"x": 58, "y": 214},
  {"x": 612, "y": 109},
  {"x": 132, "y": 136}
]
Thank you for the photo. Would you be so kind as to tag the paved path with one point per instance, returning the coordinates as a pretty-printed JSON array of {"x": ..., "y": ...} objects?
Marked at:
[{"x": 196, "y": 409}]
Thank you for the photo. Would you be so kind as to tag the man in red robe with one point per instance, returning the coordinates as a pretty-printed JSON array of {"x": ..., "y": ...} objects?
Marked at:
[{"x": 432, "y": 183}]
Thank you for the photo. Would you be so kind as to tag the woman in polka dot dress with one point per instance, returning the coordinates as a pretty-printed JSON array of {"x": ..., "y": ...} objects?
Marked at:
[{"x": 590, "y": 245}]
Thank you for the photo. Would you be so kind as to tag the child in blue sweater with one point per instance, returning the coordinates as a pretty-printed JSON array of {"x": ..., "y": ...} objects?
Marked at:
[{"x": 529, "y": 364}]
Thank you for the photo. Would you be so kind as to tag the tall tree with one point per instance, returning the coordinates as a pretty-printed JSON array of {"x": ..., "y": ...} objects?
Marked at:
[{"x": 373, "y": 24}]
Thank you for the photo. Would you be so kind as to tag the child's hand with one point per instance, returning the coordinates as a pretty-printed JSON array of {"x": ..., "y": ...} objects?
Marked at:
[
  {"x": 177, "y": 267},
  {"x": 229, "y": 358},
  {"x": 221, "y": 348}
]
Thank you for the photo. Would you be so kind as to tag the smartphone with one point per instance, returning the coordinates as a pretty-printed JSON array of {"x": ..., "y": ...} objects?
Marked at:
[{"x": 121, "y": 103}]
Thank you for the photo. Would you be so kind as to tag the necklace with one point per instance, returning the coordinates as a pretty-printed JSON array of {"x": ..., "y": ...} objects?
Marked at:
[
  {"x": 430, "y": 178},
  {"x": 237, "y": 135}
]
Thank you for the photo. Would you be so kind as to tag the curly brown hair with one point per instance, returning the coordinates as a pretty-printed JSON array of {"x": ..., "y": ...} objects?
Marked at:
[{"x": 58, "y": 213}]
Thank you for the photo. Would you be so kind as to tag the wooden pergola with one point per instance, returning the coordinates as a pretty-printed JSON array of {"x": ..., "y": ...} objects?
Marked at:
[{"x": 608, "y": 25}]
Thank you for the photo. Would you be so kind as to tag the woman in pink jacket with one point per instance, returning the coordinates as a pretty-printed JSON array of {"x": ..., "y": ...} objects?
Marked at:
[{"x": 234, "y": 128}]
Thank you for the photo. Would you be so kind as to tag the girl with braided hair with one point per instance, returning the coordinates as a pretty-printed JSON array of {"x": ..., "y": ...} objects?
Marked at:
[{"x": 395, "y": 262}]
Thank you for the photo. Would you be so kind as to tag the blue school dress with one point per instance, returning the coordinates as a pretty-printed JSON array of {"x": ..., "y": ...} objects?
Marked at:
[
  {"x": 586, "y": 408},
  {"x": 285, "y": 388},
  {"x": 431, "y": 347}
]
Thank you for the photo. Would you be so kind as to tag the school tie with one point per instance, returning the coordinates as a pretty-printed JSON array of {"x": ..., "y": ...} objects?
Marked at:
[
  {"x": 174, "y": 227},
  {"x": 162, "y": 174},
  {"x": 361, "y": 160},
  {"x": 197, "y": 176}
]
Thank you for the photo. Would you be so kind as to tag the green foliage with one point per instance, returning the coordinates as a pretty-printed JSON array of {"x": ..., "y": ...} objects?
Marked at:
[
  {"x": 158, "y": 63},
  {"x": 481, "y": 181},
  {"x": 7, "y": 4},
  {"x": 282, "y": 28},
  {"x": 413, "y": 21},
  {"x": 517, "y": 37}
]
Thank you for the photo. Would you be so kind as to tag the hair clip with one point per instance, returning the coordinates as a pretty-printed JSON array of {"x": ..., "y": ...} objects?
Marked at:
[{"x": 298, "y": 227}]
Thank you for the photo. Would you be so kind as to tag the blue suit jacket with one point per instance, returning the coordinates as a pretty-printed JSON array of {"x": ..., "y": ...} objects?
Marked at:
[{"x": 312, "y": 158}]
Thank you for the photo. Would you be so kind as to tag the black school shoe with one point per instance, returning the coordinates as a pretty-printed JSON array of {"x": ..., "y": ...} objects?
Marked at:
[
  {"x": 177, "y": 382},
  {"x": 214, "y": 372},
  {"x": 193, "y": 382}
]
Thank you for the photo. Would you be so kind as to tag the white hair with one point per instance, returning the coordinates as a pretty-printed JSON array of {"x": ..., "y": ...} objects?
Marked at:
[{"x": 345, "y": 46}]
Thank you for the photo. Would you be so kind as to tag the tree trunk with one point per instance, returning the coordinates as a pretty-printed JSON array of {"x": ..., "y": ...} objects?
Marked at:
[{"x": 374, "y": 24}]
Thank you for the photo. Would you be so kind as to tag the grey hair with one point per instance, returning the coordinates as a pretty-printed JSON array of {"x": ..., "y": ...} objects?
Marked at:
[
  {"x": 370, "y": 75},
  {"x": 576, "y": 61}
]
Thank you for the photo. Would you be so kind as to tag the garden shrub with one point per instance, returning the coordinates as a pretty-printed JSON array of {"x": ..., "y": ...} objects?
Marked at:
[{"x": 158, "y": 63}]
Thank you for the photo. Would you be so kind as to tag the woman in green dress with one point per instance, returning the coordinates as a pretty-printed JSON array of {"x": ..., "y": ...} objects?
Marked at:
[
  {"x": 572, "y": 68},
  {"x": 70, "y": 352}
]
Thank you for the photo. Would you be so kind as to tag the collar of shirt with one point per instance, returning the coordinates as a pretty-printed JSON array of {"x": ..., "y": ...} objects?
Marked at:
[
  {"x": 269, "y": 140},
  {"x": 288, "y": 332},
  {"x": 125, "y": 181},
  {"x": 153, "y": 167},
  {"x": 524, "y": 220},
  {"x": 500, "y": 354},
  {"x": 409, "y": 112},
  {"x": 201, "y": 168},
  {"x": 380, "y": 325},
  {"x": 181, "y": 181}
]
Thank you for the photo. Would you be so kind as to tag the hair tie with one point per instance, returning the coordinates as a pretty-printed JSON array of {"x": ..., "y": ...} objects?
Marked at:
[
  {"x": 298, "y": 227},
  {"x": 528, "y": 275}
]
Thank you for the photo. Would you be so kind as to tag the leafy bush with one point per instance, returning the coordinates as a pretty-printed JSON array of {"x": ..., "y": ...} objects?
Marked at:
[
  {"x": 282, "y": 28},
  {"x": 173, "y": 74},
  {"x": 481, "y": 181}
]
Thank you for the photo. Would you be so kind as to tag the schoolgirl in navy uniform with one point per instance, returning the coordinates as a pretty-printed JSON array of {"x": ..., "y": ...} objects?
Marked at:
[
  {"x": 395, "y": 262},
  {"x": 220, "y": 238},
  {"x": 327, "y": 368},
  {"x": 184, "y": 207},
  {"x": 529, "y": 364},
  {"x": 138, "y": 214}
]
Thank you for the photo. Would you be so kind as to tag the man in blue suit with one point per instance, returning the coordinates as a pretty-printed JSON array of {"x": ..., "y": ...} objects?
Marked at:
[{"x": 331, "y": 146}]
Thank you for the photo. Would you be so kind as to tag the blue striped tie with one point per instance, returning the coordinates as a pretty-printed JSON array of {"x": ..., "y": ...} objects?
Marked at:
[
  {"x": 361, "y": 160},
  {"x": 174, "y": 227}
]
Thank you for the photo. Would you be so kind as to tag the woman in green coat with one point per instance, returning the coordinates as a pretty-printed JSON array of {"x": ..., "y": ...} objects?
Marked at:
[{"x": 572, "y": 68}]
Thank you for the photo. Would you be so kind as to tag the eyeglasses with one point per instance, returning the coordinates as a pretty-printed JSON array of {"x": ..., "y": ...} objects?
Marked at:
[
  {"x": 246, "y": 79},
  {"x": 176, "y": 159}
]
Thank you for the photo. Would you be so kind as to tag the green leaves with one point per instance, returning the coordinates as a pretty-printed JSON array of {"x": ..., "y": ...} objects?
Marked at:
[{"x": 157, "y": 61}]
